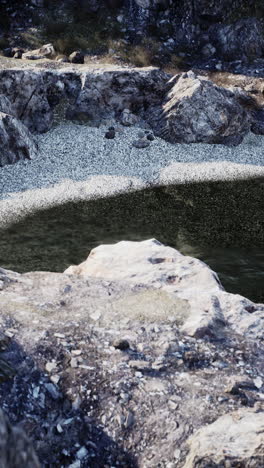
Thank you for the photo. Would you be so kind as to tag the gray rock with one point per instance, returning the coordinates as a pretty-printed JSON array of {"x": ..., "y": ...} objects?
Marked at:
[
  {"x": 196, "y": 110},
  {"x": 141, "y": 143},
  {"x": 15, "y": 140},
  {"x": 235, "y": 439}
]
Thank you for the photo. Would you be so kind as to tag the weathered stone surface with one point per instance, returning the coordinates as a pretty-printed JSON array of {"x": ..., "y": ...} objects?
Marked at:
[
  {"x": 5, "y": 105},
  {"x": 89, "y": 95},
  {"x": 16, "y": 142},
  {"x": 207, "y": 308},
  {"x": 105, "y": 93},
  {"x": 15, "y": 448},
  {"x": 235, "y": 439},
  {"x": 28, "y": 93},
  {"x": 114, "y": 350},
  {"x": 196, "y": 110},
  {"x": 242, "y": 39}
]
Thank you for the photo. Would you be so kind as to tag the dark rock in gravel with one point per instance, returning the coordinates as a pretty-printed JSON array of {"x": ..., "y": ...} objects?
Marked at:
[
  {"x": 110, "y": 135},
  {"x": 141, "y": 143},
  {"x": 76, "y": 57},
  {"x": 121, "y": 344},
  {"x": 150, "y": 137}
]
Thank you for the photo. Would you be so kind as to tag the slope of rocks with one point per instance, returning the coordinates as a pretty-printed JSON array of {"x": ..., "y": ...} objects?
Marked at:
[{"x": 135, "y": 346}]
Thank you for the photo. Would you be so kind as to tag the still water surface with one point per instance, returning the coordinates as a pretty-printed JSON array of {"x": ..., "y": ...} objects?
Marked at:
[{"x": 220, "y": 223}]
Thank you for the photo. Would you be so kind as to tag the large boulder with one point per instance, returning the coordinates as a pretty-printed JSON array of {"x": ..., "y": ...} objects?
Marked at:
[
  {"x": 235, "y": 439},
  {"x": 16, "y": 142},
  {"x": 240, "y": 40},
  {"x": 196, "y": 110},
  {"x": 45, "y": 51},
  {"x": 192, "y": 292},
  {"x": 15, "y": 448}
]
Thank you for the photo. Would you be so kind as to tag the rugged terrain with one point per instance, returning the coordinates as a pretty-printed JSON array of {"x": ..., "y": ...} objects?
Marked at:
[
  {"x": 121, "y": 360},
  {"x": 137, "y": 357}
]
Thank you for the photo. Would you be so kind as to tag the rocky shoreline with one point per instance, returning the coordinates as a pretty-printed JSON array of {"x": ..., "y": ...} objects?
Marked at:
[{"x": 136, "y": 345}]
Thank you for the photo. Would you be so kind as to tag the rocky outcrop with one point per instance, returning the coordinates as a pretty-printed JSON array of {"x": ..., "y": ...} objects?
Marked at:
[
  {"x": 195, "y": 296},
  {"x": 101, "y": 355},
  {"x": 90, "y": 94},
  {"x": 235, "y": 439},
  {"x": 243, "y": 40},
  {"x": 15, "y": 140},
  {"x": 107, "y": 93},
  {"x": 196, "y": 110},
  {"x": 15, "y": 448}
]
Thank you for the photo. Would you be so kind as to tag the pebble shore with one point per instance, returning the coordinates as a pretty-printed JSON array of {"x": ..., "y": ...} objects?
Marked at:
[{"x": 77, "y": 162}]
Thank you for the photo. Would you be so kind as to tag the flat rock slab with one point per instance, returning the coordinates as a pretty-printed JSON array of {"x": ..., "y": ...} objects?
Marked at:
[{"x": 235, "y": 438}]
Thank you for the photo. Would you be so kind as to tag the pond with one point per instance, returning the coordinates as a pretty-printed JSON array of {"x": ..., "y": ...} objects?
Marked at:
[{"x": 221, "y": 223}]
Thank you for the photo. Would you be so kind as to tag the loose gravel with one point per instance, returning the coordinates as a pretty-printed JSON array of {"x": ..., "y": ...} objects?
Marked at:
[{"x": 77, "y": 162}]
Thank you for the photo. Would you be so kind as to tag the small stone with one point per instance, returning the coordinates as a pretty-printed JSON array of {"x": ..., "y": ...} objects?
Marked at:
[
  {"x": 76, "y": 352},
  {"x": 59, "y": 335},
  {"x": 59, "y": 428},
  {"x": 50, "y": 366},
  {"x": 82, "y": 453},
  {"x": 10, "y": 332},
  {"x": 110, "y": 135},
  {"x": 258, "y": 382},
  {"x": 55, "y": 379},
  {"x": 36, "y": 392},
  {"x": 142, "y": 365},
  {"x": 177, "y": 454},
  {"x": 76, "y": 464},
  {"x": 141, "y": 143},
  {"x": 121, "y": 344},
  {"x": 74, "y": 362},
  {"x": 150, "y": 137},
  {"x": 77, "y": 402},
  {"x": 53, "y": 391}
]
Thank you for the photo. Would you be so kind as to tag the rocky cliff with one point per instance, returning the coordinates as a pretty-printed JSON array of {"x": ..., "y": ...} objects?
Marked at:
[{"x": 221, "y": 29}]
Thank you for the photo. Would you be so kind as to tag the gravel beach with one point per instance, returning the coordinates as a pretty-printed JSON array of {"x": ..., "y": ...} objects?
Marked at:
[{"x": 77, "y": 162}]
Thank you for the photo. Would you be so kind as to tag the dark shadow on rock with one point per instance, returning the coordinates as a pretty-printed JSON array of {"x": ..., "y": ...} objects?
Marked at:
[{"x": 61, "y": 432}]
